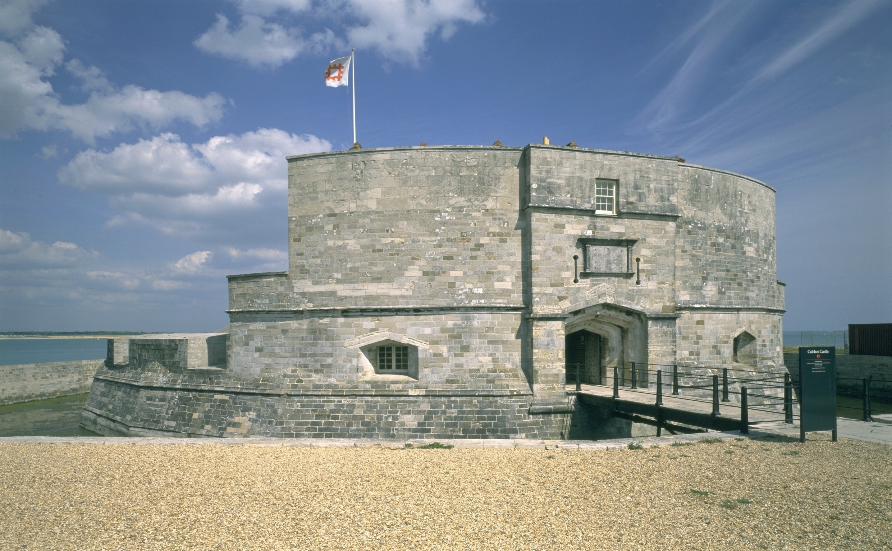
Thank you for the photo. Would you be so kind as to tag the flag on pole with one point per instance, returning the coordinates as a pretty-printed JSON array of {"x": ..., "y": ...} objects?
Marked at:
[{"x": 338, "y": 71}]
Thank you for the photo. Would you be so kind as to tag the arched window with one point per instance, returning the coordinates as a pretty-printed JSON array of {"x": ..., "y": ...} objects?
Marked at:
[{"x": 390, "y": 354}]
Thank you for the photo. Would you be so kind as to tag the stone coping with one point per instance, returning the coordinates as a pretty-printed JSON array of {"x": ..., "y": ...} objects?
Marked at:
[{"x": 477, "y": 148}]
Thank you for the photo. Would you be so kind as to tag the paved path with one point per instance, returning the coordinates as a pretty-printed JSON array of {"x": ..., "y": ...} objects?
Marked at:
[{"x": 878, "y": 432}]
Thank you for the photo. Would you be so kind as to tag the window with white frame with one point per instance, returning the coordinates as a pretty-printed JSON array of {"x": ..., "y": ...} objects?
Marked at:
[
  {"x": 605, "y": 197},
  {"x": 393, "y": 359}
]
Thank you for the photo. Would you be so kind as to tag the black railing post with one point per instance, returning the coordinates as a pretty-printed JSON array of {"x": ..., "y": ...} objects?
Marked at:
[
  {"x": 788, "y": 399},
  {"x": 675, "y": 379},
  {"x": 659, "y": 387},
  {"x": 578, "y": 382},
  {"x": 634, "y": 376},
  {"x": 725, "y": 385},
  {"x": 659, "y": 420},
  {"x": 715, "y": 395},
  {"x": 615, "y": 382},
  {"x": 866, "y": 399},
  {"x": 744, "y": 412}
]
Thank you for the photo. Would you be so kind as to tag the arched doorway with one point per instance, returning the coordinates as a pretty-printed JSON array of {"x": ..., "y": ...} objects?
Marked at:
[
  {"x": 583, "y": 355},
  {"x": 621, "y": 337}
]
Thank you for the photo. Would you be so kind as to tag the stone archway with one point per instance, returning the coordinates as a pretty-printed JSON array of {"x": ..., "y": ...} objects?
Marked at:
[
  {"x": 621, "y": 340},
  {"x": 583, "y": 356}
]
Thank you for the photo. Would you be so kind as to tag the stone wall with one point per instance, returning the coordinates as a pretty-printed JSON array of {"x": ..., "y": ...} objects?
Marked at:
[
  {"x": 413, "y": 227},
  {"x": 851, "y": 371},
  {"x": 26, "y": 382},
  {"x": 218, "y": 404}
]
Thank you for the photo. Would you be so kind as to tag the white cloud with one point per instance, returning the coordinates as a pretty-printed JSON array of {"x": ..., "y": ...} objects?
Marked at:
[
  {"x": 192, "y": 263},
  {"x": 28, "y": 102},
  {"x": 48, "y": 152},
  {"x": 42, "y": 48},
  {"x": 92, "y": 77},
  {"x": 258, "y": 42},
  {"x": 673, "y": 105},
  {"x": 183, "y": 189},
  {"x": 15, "y": 15},
  {"x": 268, "y": 8},
  {"x": 19, "y": 251},
  {"x": 397, "y": 29},
  {"x": 162, "y": 165},
  {"x": 840, "y": 22}
]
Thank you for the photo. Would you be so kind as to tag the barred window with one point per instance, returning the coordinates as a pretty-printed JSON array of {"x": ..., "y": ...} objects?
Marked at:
[
  {"x": 605, "y": 197},
  {"x": 393, "y": 358}
]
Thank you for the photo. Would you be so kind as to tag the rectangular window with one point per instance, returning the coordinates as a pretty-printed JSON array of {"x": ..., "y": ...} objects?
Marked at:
[
  {"x": 605, "y": 197},
  {"x": 393, "y": 358}
]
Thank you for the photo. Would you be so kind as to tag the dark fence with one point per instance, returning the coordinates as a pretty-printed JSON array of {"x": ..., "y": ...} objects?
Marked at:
[{"x": 870, "y": 339}]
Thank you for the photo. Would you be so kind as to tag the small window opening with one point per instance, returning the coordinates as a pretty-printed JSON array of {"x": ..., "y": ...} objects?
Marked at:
[
  {"x": 745, "y": 349},
  {"x": 393, "y": 358},
  {"x": 605, "y": 197}
]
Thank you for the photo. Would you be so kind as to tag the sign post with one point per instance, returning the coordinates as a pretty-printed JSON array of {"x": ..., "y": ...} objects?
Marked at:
[{"x": 817, "y": 390}]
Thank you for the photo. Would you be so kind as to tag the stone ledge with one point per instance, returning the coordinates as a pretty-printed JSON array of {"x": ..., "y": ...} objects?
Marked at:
[{"x": 552, "y": 407}]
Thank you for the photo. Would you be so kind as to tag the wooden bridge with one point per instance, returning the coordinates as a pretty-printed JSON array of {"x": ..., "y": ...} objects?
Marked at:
[{"x": 718, "y": 412}]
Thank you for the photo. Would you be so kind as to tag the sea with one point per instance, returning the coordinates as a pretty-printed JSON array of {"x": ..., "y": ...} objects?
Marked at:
[
  {"x": 34, "y": 351},
  {"x": 55, "y": 416}
]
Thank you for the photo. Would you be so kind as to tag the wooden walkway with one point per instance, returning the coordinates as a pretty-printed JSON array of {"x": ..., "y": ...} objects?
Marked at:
[{"x": 685, "y": 410}]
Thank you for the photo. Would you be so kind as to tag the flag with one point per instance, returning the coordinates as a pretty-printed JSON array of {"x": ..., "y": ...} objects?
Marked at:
[{"x": 337, "y": 72}]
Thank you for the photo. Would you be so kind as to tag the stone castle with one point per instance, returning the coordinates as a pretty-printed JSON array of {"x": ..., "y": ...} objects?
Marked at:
[{"x": 444, "y": 292}]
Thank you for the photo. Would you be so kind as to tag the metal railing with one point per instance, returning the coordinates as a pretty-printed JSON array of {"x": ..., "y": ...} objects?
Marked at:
[
  {"x": 753, "y": 384},
  {"x": 717, "y": 388},
  {"x": 867, "y": 395}
]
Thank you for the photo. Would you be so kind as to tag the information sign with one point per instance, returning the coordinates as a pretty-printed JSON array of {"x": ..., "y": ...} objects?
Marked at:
[{"x": 817, "y": 390}]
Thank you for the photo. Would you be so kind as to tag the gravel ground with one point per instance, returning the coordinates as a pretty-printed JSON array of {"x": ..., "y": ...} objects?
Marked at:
[{"x": 768, "y": 493}]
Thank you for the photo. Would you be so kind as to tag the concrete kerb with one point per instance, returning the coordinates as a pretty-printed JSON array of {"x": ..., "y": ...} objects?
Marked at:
[
  {"x": 617, "y": 444},
  {"x": 877, "y": 432}
]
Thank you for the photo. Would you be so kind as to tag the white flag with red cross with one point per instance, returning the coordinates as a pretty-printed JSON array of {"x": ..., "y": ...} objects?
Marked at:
[{"x": 336, "y": 74}]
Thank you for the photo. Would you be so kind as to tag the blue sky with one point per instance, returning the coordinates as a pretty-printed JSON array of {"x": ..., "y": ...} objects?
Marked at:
[{"x": 142, "y": 144}]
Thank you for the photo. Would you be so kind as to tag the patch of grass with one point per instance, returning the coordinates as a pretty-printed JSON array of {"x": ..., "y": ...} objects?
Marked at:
[
  {"x": 739, "y": 439},
  {"x": 791, "y": 452},
  {"x": 436, "y": 446},
  {"x": 549, "y": 457},
  {"x": 699, "y": 492},
  {"x": 729, "y": 504},
  {"x": 744, "y": 501},
  {"x": 834, "y": 517},
  {"x": 679, "y": 444},
  {"x": 710, "y": 441},
  {"x": 729, "y": 451},
  {"x": 634, "y": 446}
]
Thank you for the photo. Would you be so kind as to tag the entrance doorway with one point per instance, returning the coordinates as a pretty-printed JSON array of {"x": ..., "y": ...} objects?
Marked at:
[{"x": 583, "y": 348}]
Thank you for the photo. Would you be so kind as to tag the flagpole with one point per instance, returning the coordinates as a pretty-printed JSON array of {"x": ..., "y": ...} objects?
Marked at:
[{"x": 353, "y": 81}]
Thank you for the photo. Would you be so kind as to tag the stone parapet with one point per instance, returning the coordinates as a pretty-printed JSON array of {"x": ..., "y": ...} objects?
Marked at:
[
  {"x": 26, "y": 382},
  {"x": 266, "y": 291},
  {"x": 178, "y": 351}
]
